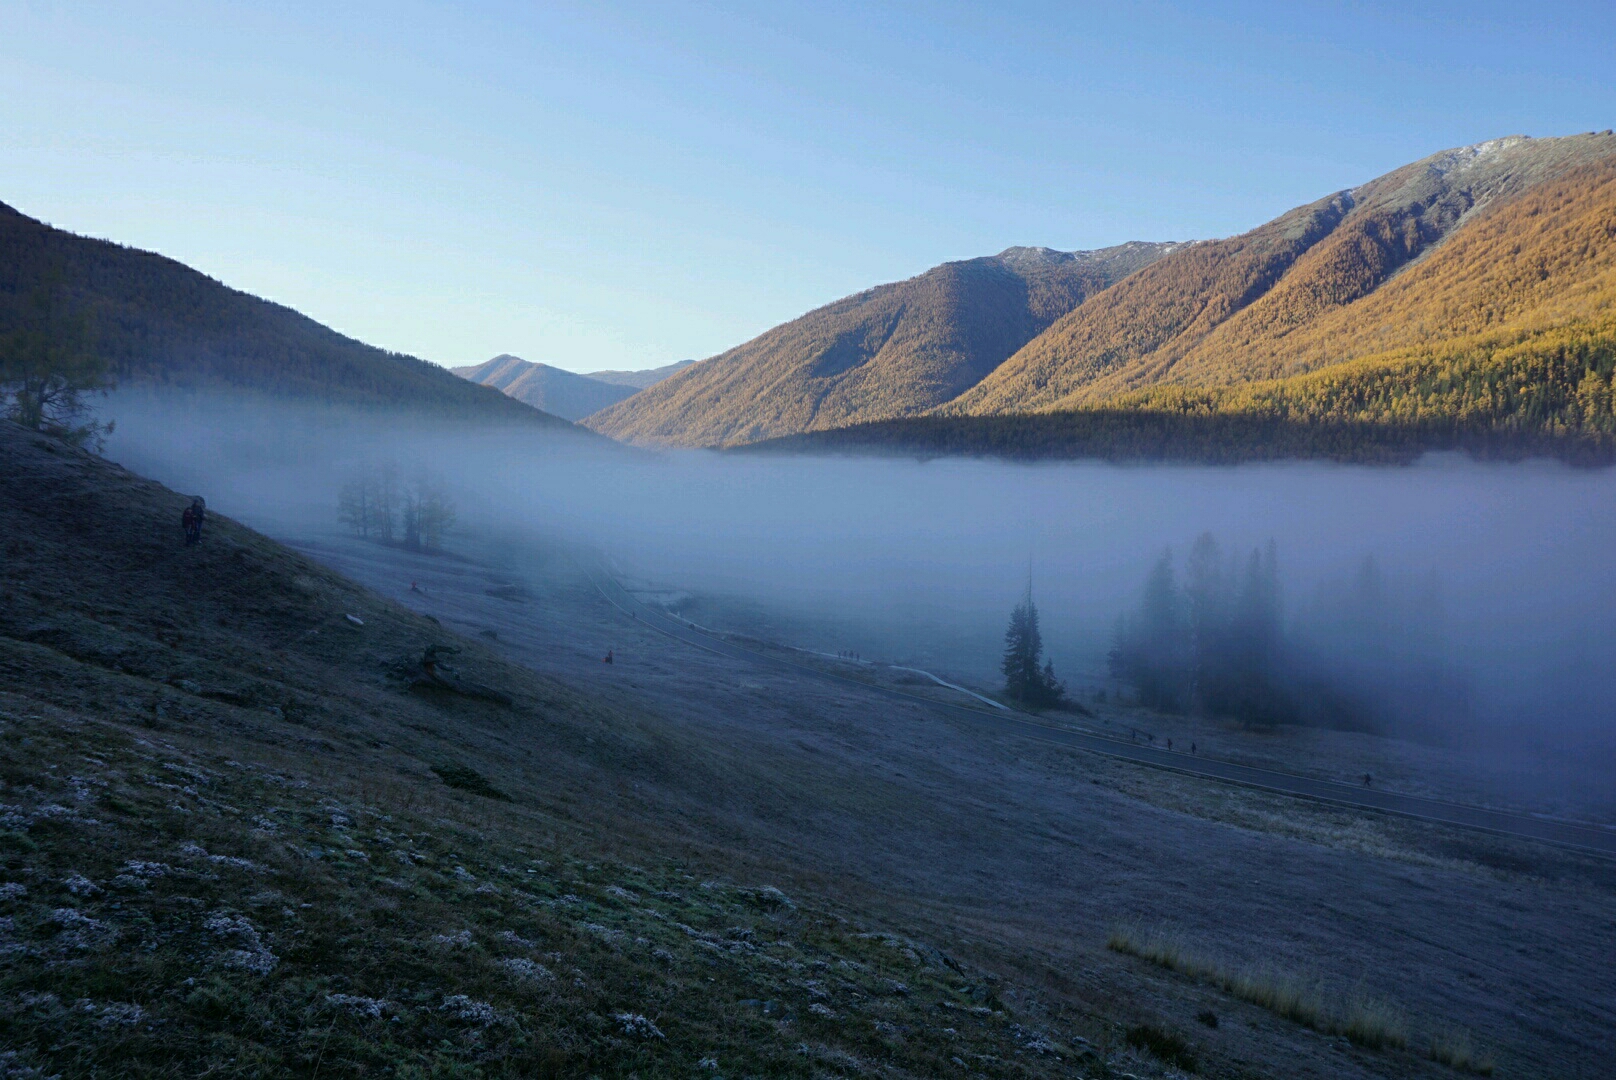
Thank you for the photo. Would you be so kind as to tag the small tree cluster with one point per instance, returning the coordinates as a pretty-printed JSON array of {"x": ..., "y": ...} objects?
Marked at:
[
  {"x": 1027, "y": 677},
  {"x": 377, "y": 506},
  {"x": 49, "y": 369},
  {"x": 1216, "y": 644},
  {"x": 1363, "y": 655}
]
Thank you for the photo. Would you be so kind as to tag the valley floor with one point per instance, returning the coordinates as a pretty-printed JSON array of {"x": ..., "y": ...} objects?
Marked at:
[{"x": 1028, "y": 856}]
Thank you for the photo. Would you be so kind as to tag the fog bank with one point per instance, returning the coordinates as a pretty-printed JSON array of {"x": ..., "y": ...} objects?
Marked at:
[{"x": 923, "y": 561}]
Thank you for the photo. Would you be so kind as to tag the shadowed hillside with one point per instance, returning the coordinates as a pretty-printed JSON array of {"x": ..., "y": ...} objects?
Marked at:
[
  {"x": 560, "y": 393},
  {"x": 894, "y": 350},
  {"x": 244, "y": 830},
  {"x": 162, "y": 323}
]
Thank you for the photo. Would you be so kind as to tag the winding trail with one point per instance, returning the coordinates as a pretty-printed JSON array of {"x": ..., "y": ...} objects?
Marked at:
[{"x": 1588, "y": 837}]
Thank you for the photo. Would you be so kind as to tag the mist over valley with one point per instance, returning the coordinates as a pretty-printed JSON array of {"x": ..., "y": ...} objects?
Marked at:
[
  {"x": 1181, "y": 644},
  {"x": 1498, "y": 569}
]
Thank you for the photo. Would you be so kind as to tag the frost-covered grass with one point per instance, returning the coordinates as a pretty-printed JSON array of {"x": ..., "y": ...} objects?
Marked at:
[{"x": 263, "y": 921}]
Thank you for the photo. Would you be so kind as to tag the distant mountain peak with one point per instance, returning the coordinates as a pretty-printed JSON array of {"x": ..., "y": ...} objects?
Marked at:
[
  {"x": 1029, "y": 257},
  {"x": 1025, "y": 255},
  {"x": 560, "y": 392}
]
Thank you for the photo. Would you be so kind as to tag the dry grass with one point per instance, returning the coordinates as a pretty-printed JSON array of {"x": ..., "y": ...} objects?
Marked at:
[
  {"x": 1455, "y": 1049},
  {"x": 1367, "y": 1021}
]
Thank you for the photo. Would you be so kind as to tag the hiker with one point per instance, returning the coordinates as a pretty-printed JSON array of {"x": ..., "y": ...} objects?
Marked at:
[
  {"x": 192, "y": 520},
  {"x": 1192, "y": 748},
  {"x": 1365, "y": 779},
  {"x": 1169, "y": 744},
  {"x": 607, "y": 658}
]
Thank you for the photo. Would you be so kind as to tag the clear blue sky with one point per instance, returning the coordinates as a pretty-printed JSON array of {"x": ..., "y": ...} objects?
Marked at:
[{"x": 624, "y": 185}]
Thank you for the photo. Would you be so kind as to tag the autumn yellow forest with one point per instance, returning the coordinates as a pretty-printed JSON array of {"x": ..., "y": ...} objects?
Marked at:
[{"x": 1466, "y": 300}]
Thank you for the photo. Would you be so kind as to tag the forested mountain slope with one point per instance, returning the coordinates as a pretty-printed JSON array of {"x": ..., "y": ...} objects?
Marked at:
[
  {"x": 1509, "y": 394},
  {"x": 562, "y": 393},
  {"x": 1513, "y": 233},
  {"x": 895, "y": 350},
  {"x": 160, "y": 322}
]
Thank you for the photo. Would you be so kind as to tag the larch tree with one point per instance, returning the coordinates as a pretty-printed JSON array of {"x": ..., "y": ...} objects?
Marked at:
[
  {"x": 1027, "y": 677},
  {"x": 48, "y": 370}
]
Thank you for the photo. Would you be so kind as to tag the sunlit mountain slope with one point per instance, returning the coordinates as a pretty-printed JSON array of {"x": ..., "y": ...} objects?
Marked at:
[
  {"x": 895, "y": 350},
  {"x": 1511, "y": 233}
]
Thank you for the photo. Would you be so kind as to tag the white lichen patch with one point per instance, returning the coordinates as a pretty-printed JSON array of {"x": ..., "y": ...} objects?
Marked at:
[
  {"x": 638, "y": 1026},
  {"x": 373, "y": 1008},
  {"x": 250, "y": 954},
  {"x": 466, "y": 1009},
  {"x": 523, "y": 968},
  {"x": 79, "y": 885}
]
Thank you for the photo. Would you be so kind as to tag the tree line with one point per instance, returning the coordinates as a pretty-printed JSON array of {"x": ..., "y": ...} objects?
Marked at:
[
  {"x": 1364, "y": 654},
  {"x": 378, "y": 506},
  {"x": 1505, "y": 395}
]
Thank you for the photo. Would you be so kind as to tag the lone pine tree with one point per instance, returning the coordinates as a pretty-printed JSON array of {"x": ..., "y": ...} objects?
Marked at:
[{"x": 1024, "y": 679}]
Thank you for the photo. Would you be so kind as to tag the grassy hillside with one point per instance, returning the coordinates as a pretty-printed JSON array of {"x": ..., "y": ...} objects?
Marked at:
[
  {"x": 895, "y": 350},
  {"x": 239, "y": 838},
  {"x": 1508, "y": 394},
  {"x": 1510, "y": 233},
  {"x": 160, "y": 322},
  {"x": 552, "y": 390}
]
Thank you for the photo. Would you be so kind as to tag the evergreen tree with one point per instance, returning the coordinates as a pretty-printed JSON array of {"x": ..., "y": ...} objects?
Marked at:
[
  {"x": 1025, "y": 679},
  {"x": 1149, "y": 651},
  {"x": 1252, "y": 685},
  {"x": 1207, "y": 603}
]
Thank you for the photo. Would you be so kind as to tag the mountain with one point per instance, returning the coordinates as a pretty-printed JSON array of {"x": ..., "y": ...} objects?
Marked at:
[
  {"x": 1509, "y": 233},
  {"x": 160, "y": 322},
  {"x": 894, "y": 350},
  {"x": 564, "y": 393},
  {"x": 561, "y": 393},
  {"x": 639, "y": 380},
  {"x": 1508, "y": 395},
  {"x": 1463, "y": 301}
]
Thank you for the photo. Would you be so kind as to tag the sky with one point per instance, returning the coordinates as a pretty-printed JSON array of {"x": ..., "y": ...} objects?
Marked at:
[{"x": 624, "y": 185}]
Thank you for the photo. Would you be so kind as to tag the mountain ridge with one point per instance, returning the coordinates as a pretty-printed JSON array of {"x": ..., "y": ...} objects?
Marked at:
[
  {"x": 1385, "y": 227},
  {"x": 892, "y": 350},
  {"x": 551, "y": 389},
  {"x": 639, "y": 378},
  {"x": 1394, "y": 291},
  {"x": 160, "y": 322}
]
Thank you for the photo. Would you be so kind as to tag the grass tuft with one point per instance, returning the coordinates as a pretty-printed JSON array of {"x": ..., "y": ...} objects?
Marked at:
[
  {"x": 1367, "y": 1021},
  {"x": 1455, "y": 1049},
  {"x": 1165, "y": 1046},
  {"x": 468, "y": 779}
]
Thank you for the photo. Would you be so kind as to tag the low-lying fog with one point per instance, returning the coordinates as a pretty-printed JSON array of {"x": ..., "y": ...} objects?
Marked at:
[{"x": 1508, "y": 569}]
